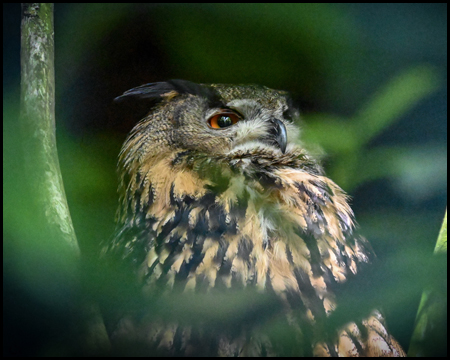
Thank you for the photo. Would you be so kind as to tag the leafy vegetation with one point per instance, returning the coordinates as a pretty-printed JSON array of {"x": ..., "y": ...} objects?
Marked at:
[{"x": 373, "y": 114}]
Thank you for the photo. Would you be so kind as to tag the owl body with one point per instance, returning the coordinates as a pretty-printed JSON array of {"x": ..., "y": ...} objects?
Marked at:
[{"x": 217, "y": 195}]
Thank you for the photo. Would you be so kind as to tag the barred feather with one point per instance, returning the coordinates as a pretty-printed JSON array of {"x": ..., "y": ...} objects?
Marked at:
[{"x": 247, "y": 216}]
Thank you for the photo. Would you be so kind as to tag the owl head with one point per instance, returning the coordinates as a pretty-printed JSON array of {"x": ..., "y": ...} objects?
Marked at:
[
  {"x": 212, "y": 119},
  {"x": 196, "y": 137}
]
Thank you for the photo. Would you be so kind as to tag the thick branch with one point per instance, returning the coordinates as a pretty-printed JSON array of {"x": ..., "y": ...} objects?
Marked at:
[{"x": 38, "y": 122}]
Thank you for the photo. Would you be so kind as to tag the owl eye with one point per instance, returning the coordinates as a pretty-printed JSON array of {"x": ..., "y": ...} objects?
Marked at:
[{"x": 223, "y": 120}]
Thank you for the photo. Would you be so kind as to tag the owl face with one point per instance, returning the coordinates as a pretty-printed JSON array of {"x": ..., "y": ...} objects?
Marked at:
[{"x": 213, "y": 119}]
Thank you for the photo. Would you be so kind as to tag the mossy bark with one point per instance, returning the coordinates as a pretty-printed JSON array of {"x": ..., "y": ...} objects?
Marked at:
[{"x": 37, "y": 117}]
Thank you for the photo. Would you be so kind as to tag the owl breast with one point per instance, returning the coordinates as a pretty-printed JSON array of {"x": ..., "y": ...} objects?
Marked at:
[{"x": 247, "y": 223}]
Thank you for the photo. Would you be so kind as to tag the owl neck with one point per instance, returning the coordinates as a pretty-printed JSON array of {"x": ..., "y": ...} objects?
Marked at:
[
  {"x": 162, "y": 182},
  {"x": 278, "y": 188}
]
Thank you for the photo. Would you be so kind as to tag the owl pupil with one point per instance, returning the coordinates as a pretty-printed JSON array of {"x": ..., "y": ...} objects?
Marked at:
[{"x": 224, "y": 121}]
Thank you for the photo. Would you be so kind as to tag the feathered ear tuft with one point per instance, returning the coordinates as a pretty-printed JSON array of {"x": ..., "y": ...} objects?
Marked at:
[
  {"x": 140, "y": 100},
  {"x": 156, "y": 92}
]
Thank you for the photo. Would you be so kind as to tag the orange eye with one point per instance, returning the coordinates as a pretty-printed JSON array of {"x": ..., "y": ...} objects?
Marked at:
[{"x": 223, "y": 120}]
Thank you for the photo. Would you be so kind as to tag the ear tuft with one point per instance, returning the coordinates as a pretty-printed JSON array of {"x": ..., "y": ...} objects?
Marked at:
[{"x": 156, "y": 92}]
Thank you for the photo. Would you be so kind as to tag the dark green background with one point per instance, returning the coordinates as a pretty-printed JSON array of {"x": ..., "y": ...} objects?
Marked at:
[{"x": 371, "y": 83}]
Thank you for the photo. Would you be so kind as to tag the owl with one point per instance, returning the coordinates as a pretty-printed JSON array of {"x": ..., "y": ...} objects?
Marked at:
[{"x": 218, "y": 196}]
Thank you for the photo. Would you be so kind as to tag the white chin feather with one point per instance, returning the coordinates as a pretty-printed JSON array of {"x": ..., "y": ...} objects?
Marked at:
[{"x": 250, "y": 146}]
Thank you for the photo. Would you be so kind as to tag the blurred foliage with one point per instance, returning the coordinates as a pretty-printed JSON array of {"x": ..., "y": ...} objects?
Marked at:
[
  {"x": 347, "y": 139},
  {"x": 441, "y": 244},
  {"x": 371, "y": 108},
  {"x": 430, "y": 326}
]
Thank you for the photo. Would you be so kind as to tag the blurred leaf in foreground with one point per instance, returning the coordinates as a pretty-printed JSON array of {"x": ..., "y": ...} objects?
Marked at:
[{"x": 431, "y": 323}]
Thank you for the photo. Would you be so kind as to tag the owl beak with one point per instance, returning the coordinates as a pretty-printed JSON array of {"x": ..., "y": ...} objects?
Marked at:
[{"x": 278, "y": 135}]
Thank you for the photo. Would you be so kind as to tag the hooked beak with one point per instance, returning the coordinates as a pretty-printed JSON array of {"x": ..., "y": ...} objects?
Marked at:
[{"x": 278, "y": 135}]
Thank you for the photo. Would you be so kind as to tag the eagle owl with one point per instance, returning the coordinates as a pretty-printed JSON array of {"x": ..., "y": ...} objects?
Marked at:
[{"x": 217, "y": 195}]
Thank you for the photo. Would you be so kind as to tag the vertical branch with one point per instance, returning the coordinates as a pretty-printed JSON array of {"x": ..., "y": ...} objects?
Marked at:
[
  {"x": 53, "y": 233},
  {"x": 37, "y": 117}
]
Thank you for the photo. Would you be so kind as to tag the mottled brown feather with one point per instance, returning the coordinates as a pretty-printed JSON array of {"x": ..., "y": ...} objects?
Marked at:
[{"x": 228, "y": 209}]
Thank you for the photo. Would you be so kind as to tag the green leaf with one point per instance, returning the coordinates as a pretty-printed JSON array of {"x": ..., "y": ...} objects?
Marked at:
[
  {"x": 400, "y": 95},
  {"x": 431, "y": 324}
]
